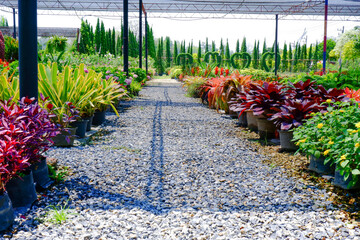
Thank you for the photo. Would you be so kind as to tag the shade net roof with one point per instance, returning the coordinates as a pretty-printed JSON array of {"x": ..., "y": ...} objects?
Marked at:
[{"x": 343, "y": 9}]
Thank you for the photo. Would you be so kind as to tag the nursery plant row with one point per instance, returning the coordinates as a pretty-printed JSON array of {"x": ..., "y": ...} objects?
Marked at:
[
  {"x": 70, "y": 100},
  {"x": 320, "y": 122}
]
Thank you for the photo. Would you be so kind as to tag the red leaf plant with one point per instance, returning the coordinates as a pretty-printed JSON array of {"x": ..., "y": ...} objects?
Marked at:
[
  {"x": 293, "y": 113},
  {"x": 25, "y": 134}
]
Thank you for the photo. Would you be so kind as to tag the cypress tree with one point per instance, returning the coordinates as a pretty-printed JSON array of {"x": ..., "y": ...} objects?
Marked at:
[
  {"x": 258, "y": 53},
  {"x": 199, "y": 52},
  {"x": 227, "y": 52},
  {"x": 237, "y": 46},
  {"x": 159, "y": 63},
  {"x": 290, "y": 58},
  {"x": 206, "y": 50},
  {"x": 243, "y": 45},
  {"x": 175, "y": 53},
  {"x": 213, "y": 49},
  {"x": 296, "y": 55},
  {"x": 168, "y": 51},
  {"x": 206, "y": 45},
  {"x": 113, "y": 46},
  {"x": 264, "y": 47},
  {"x": 97, "y": 36},
  {"x": 92, "y": 38},
  {"x": 271, "y": 58},
  {"x": 254, "y": 56},
  {"x": 133, "y": 45},
  {"x": 304, "y": 54},
  {"x": 85, "y": 38},
  {"x": 284, "y": 58},
  {"x": 309, "y": 57},
  {"x": 191, "y": 47},
  {"x": 103, "y": 39},
  {"x": 118, "y": 46},
  {"x": 221, "y": 48},
  {"x": 109, "y": 40},
  {"x": 299, "y": 54}
]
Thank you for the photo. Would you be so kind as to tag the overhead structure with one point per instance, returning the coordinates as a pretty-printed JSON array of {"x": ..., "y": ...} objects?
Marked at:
[{"x": 201, "y": 9}]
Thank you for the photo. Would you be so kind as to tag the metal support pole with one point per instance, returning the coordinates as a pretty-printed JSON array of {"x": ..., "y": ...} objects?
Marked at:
[
  {"x": 140, "y": 33},
  {"x": 28, "y": 69},
  {"x": 14, "y": 25},
  {"x": 325, "y": 37},
  {"x": 126, "y": 37},
  {"x": 276, "y": 43},
  {"x": 146, "y": 43}
]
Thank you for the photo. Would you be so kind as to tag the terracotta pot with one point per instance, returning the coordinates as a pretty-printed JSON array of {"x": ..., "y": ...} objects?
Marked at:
[
  {"x": 286, "y": 142},
  {"x": 266, "y": 128},
  {"x": 251, "y": 120}
]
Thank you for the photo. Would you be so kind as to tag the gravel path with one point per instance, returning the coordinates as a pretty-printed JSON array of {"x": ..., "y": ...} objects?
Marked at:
[{"x": 170, "y": 168}]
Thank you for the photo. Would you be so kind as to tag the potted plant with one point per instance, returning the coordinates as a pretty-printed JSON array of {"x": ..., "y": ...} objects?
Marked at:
[
  {"x": 109, "y": 92},
  {"x": 263, "y": 99},
  {"x": 319, "y": 134},
  {"x": 16, "y": 138},
  {"x": 289, "y": 116},
  {"x": 62, "y": 116}
]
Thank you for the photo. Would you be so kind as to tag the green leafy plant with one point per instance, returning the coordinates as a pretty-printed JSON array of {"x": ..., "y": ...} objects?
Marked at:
[
  {"x": 58, "y": 174},
  {"x": 246, "y": 56},
  {"x": 9, "y": 87},
  {"x": 334, "y": 135},
  {"x": 11, "y": 48},
  {"x": 58, "y": 214}
]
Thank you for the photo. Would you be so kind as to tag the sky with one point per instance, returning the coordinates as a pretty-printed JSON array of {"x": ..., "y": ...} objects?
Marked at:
[{"x": 290, "y": 31}]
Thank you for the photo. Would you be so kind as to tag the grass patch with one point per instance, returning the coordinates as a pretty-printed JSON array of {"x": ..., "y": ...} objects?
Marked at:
[{"x": 58, "y": 214}]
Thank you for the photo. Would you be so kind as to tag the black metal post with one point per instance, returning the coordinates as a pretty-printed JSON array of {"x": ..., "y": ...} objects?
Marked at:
[
  {"x": 276, "y": 43},
  {"x": 14, "y": 25},
  {"x": 28, "y": 69},
  {"x": 146, "y": 43},
  {"x": 140, "y": 33},
  {"x": 126, "y": 37}
]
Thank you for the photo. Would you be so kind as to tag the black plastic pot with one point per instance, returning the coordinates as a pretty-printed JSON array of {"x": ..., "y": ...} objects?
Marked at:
[
  {"x": 317, "y": 165},
  {"x": 41, "y": 174},
  {"x": 251, "y": 121},
  {"x": 90, "y": 120},
  {"x": 22, "y": 191},
  {"x": 286, "y": 142},
  {"x": 233, "y": 114},
  {"x": 266, "y": 128},
  {"x": 243, "y": 120},
  {"x": 80, "y": 127},
  {"x": 339, "y": 181},
  {"x": 6, "y": 212},
  {"x": 99, "y": 118},
  {"x": 65, "y": 138}
]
